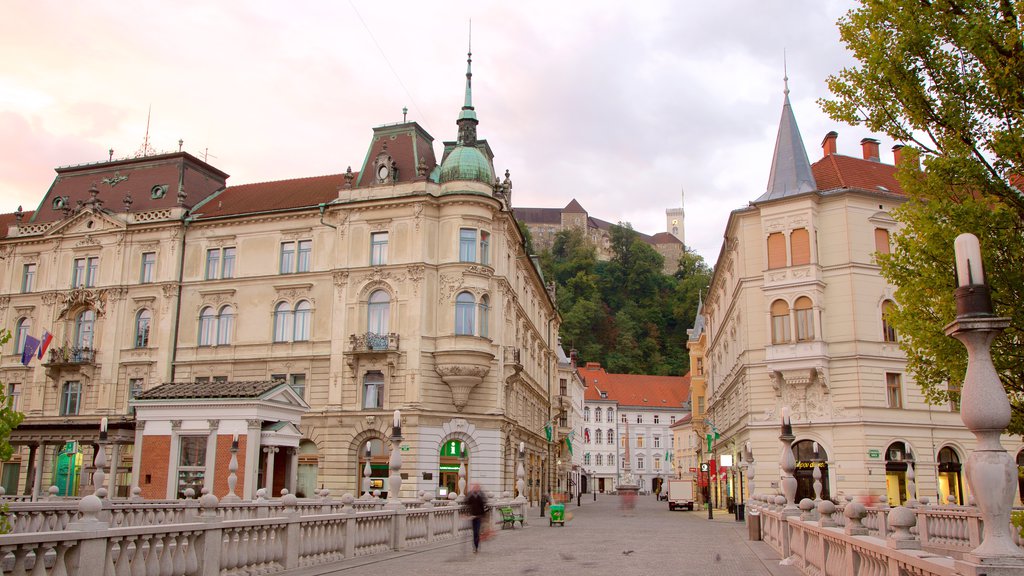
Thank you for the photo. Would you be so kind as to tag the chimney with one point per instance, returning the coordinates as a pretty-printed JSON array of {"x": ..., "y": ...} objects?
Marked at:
[
  {"x": 870, "y": 148},
  {"x": 897, "y": 154},
  {"x": 828, "y": 145}
]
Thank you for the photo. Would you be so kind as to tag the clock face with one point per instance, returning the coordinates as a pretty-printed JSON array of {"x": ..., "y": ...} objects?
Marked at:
[{"x": 382, "y": 172}]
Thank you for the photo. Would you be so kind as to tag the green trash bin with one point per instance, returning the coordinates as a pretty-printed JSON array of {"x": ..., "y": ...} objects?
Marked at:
[{"x": 556, "y": 515}]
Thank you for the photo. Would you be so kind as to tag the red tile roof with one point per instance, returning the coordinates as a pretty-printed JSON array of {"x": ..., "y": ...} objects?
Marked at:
[
  {"x": 271, "y": 196},
  {"x": 7, "y": 219},
  {"x": 836, "y": 171},
  {"x": 684, "y": 421},
  {"x": 635, "y": 389}
]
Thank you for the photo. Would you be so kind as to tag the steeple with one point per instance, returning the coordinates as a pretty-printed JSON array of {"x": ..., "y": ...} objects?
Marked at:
[
  {"x": 467, "y": 117},
  {"x": 791, "y": 170}
]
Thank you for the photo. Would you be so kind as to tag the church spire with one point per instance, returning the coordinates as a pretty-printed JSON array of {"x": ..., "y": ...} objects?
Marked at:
[
  {"x": 791, "y": 170},
  {"x": 467, "y": 117}
]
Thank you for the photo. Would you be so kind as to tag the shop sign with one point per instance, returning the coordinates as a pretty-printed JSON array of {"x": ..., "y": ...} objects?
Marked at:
[{"x": 874, "y": 453}]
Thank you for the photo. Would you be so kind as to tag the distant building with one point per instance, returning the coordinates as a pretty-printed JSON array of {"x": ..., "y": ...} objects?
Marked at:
[
  {"x": 637, "y": 408},
  {"x": 796, "y": 318},
  {"x": 545, "y": 223}
]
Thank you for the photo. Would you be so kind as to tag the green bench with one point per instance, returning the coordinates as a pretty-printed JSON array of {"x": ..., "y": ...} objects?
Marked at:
[{"x": 509, "y": 518}]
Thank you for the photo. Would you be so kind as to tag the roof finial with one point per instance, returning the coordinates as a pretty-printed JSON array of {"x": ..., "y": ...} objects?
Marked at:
[
  {"x": 785, "y": 74},
  {"x": 469, "y": 71},
  {"x": 467, "y": 117},
  {"x": 405, "y": 112}
]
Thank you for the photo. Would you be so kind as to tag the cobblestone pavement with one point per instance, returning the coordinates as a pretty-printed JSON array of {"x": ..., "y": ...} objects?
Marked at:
[{"x": 599, "y": 540}]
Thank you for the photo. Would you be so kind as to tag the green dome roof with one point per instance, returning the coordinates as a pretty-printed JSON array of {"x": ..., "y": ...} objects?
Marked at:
[{"x": 466, "y": 163}]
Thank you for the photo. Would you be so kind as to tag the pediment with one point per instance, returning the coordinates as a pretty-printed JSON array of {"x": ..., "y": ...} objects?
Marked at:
[
  {"x": 286, "y": 395},
  {"x": 86, "y": 223},
  {"x": 882, "y": 217}
]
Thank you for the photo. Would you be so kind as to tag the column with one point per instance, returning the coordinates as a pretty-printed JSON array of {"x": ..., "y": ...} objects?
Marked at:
[
  {"x": 137, "y": 455},
  {"x": 115, "y": 461},
  {"x": 210, "y": 465},
  {"x": 269, "y": 474},
  {"x": 37, "y": 482},
  {"x": 30, "y": 470},
  {"x": 293, "y": 470},
  {"x": 252, "y": 459}
]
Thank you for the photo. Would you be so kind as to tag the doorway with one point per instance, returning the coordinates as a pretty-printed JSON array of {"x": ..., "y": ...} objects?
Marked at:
[{"x": 452, "y": 455}]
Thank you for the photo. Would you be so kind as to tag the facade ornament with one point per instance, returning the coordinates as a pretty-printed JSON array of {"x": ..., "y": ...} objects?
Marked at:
[
  {"x": 213, "y": 424},
  {"x": 19, "y": 214},
  {"x": 5, "y": 301},
  {"x": 112, "y": 181},
  {"x": 83, "y": 297},
  {"x": 421, "y": 168},
  {"x": 127, "y": 201},
  {"x": 175, "y": 424},
  {"x": 349, "y": 176}
]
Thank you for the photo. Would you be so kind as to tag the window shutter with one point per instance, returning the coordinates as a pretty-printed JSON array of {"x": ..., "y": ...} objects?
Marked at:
[
  {"x": 776, "y": 250},
  {"x": 800, "y": 247}
]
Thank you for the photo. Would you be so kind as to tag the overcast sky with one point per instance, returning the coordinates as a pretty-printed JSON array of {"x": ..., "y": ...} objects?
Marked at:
[{"x": 619, "y": 104}]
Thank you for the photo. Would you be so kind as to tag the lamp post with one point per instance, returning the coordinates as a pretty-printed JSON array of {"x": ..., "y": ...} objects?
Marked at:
[
  {"x": 788, "y": 463},
  {"x": 395, "y": 463},
  {"x": 521, "y": 472},
  {"x": 985, "y": 411}
]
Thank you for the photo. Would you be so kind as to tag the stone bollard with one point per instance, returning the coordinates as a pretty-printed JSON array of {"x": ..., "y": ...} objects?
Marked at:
[
  {"x": 92, "y": 552},
  {"x": 902, "y": 519},
  {"x": 326, "y": 504},
  {"x": 855, "y": 512},
  {"x": 209, "y": 544}
]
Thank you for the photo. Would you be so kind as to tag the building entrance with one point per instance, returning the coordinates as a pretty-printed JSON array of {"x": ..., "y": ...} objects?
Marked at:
[{"x": 453, "y": 455}]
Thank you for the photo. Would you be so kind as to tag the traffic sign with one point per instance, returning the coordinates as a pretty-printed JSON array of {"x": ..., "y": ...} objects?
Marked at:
[{"x": 703, "y": 466}]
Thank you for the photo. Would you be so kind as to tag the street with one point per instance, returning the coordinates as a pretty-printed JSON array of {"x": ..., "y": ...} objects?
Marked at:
[{"x": 599, "y": 540}]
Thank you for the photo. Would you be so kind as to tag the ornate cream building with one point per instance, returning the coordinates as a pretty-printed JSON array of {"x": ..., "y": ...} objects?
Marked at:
[
  {"x": 796, "y": 317},
  {"x": 403, "y": 285}
]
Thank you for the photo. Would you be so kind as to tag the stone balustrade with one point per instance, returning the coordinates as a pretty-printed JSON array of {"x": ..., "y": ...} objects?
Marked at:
[
  {"x": 849, "y": 538},
  {"x": 206, "y": 537}
]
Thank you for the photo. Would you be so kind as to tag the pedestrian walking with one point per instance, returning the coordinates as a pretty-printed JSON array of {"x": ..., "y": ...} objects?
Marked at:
[{"x": 477, "y": 504}]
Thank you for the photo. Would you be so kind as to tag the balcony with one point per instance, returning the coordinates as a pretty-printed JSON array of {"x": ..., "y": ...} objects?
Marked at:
[
  {"x": 370, "y": 342},
  {"x": 792, "y": 276},
  {"x": 65, "y": 356}
]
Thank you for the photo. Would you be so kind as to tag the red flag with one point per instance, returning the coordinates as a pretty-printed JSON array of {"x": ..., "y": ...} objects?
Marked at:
[{"x": 44, "y": 343}]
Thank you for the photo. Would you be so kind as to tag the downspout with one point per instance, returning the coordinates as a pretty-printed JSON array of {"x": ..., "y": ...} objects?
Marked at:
[
  {"x": 554, "y": 427},
  {"x": 186, "y": 219},
  {"x": 323, "y": 208}
]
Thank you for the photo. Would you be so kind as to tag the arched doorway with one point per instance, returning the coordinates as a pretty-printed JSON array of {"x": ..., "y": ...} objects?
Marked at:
[
  {"x": 584, "y": 483},
  {"x": 374, "y": 452},
  {"x": 453, "y": 454},
  {"x": 309, "y": 462},
  {"x": 949, "y": 476},
  {"x": 810, "y": 455},
  {"x": 898, "y": 458}
]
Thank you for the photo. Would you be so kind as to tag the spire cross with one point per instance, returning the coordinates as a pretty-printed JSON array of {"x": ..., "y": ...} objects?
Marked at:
[{"x": 785, "y": 74}]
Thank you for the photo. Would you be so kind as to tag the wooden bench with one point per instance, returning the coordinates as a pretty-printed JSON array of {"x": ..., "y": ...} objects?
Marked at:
[{"x": 509, "y": 518}]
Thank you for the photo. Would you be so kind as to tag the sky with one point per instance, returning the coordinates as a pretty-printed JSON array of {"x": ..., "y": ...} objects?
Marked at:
[{"x": 622, "y": 105}]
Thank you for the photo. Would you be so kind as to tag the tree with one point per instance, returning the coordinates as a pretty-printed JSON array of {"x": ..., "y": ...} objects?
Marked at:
[
  {"x": 9, "y": 417},
  {"x": 948, "y": 77}
]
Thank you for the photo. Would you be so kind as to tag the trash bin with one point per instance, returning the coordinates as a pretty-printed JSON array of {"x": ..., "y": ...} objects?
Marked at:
[
  {"x": 739, "y": 511},
  {"x": 557, "y": 515},
  {"x": 754, "y": 526}
]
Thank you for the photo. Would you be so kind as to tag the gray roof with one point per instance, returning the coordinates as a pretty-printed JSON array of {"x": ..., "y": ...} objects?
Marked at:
[
  {"x": 791, "y": 171},
  {"x": 187, "y": 390}
]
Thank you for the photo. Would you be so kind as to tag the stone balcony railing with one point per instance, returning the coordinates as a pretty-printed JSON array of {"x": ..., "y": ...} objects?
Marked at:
[
  {"x": 71, "y": 355},
  {"x": 208, "y": 538},
  {"x": 853, "y": 539},
  {"x": 792, "y": 276},
  {"x": 371, "y": 342}
]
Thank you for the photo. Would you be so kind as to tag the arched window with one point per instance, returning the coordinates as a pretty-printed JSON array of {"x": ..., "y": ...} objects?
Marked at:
[
  {"x": 888, "y": 332},
  {"x": 207, "y": 327},
  {"x": 309, "y": 462},
  {"x": 464, "y": 307},
  {"x": 611, "y": 436},
  {"x": 303, "y": 311},
  {"x": 780, "y": 322},
  {"x": 378, "y": 313},
  {"x": 20, "y": 333},
  {"x": 84, "y": 325},
  {"x": 611, "y": 415},
  {"x": 598, "y": 436},
  {"x": 142, "y": 323},
  {"x": 804, "y": 313},
  {"x": 800, "y": 246},
  {"x": 283, "y": 322},
  {"x": 485, "y": 308},
  {"x": 898, "y": 457},
  {"x": 810, "y": 455},
  {"x": 586, "y": 413},
  {"x": 597, "y": 414},
  {"x": 225, "y": 324},
  {"x": 776, "y": 250},
  {"x": 949, "y": 477}
]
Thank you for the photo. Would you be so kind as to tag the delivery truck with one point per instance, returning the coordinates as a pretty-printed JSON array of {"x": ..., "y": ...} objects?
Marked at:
[{"x": 680, "y": 494}]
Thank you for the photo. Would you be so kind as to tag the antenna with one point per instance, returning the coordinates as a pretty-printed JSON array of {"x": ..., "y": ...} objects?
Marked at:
[{"x": 146, "y": 149}]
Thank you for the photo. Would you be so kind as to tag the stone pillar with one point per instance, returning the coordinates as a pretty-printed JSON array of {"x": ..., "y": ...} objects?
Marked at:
[
  {"x": 30, "y": 471},
  {"x": 293, "y": 470},
  {"x": 115, "y": 462},
  {"x": 268, "y": 476},
  {"x": 252, "y": 459}
]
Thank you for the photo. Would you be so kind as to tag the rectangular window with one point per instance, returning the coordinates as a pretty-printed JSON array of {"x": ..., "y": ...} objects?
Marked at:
[
  {"x": 639, "y": 418},
  {"x": 657, "y": 463},
  {"x": 298, "y": 382},
  {"x": 212, "y": 263},
  {"x": 148, "y": 263},
  {"x": 804, "y": 324},
  {"x": 586, "y": 460},
  {"x": 623, "y": 418},
  {"x": 28, "y": 277},
  {"x": 894, "y": 389},
  {"x": 373, "y": 390},
  {"x": 92, "y": 271},
  {"x": 202, "y": 380},
  {"x": 287, "y": 257},
  {"x": 657, "y": 419},
  {"x": 191, "y": 463},
  {"x": 220, "y": 379},
  {"x": 228, "y": 267},
  {"x": 800, "y": 247},
  {"x": 467, "y": 245},
  {"x": 70, "y": 398},
  {"x": 134, "y": 389},
  {"x": 563, "y": 387},
  {"x": 485, "y": 248},
  {"x": 305, "y": 255},
  {"x": 881, "y": 240},
  {"x": 14, "y": 395},
  {"x": 776, "y": 250},
  {"x": 640, "y": 441},
  {"x": 639, "y": 462},
  {"x": 78, "y": 273},
  {"x": 671, "y": 419},
  {"x": 657, "y": 441},
  {"x": 378, "y": 248}
]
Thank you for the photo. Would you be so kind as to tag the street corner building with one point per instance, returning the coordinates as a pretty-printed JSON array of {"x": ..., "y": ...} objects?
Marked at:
[
  {"x": 276, "y": 327},
  {"x": 795, "y": 320}
]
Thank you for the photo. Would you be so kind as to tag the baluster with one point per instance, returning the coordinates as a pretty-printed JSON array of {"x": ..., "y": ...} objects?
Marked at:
[
  {"x": 230, "y": 559},
  {"x": 152, "y": 556},
  {"x": 179, "y": 553},
  {"x": 122, "y": 566}
]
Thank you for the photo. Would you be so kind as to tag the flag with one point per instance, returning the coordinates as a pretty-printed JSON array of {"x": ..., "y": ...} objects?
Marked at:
[
  {"x": 31, "y": 344},
  {"x": 568, "y": 444},
  {"x": 547, "y": 430},
  {"x": 44, "y": 343}
]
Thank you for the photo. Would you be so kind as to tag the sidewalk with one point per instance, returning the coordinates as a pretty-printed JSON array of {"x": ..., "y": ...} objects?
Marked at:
[{"x": 599, "y": 540}]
